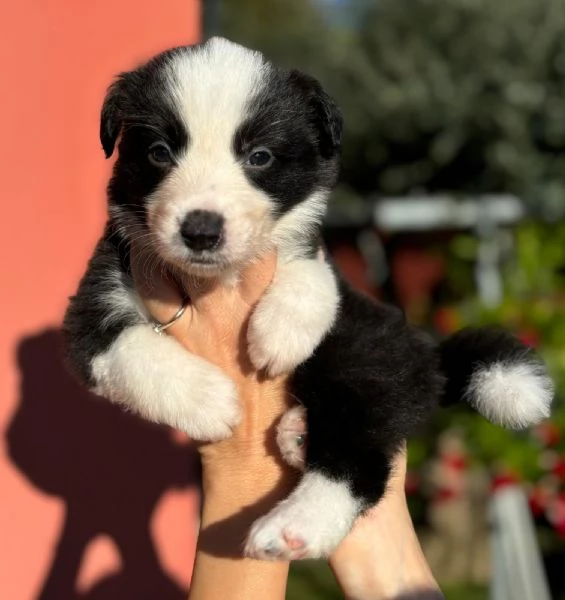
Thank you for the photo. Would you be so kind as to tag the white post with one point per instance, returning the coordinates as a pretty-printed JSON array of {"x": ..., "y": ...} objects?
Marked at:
[
  {"x": 487, "y": 268},
  {"x": 518, "y": 572}
]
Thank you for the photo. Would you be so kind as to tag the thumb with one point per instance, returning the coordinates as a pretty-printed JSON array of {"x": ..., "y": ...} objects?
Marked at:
[
  {"x": 257, "y": 277},
  {"x": 252, "y": 282}
]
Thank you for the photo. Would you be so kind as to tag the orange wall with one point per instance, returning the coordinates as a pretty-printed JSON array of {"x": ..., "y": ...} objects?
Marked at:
[{"x": 90, "y": 500}]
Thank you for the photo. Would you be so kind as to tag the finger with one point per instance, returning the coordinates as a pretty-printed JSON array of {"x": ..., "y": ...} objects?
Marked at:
[
  {"x": 257, "y": 277},
  {"x": 220, "y": 294}
]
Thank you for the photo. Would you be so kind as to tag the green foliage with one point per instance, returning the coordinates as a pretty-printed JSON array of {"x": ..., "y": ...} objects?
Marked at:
[
  {"x": 534, "y": 308},
  {"x": 312, "y": 579},
  {"x": 458, "y": 95},
  {"x": 534, "y": 301},
  {"x": 293, "y": 33},
  {"x": 465, "y": 592},
  {"x": 462, "y": 94},
  {"x": 309, "y": 580}
]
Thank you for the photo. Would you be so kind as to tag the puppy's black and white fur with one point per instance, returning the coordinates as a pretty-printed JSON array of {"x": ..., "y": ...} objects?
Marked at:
[{"x": 222, "y": 155}]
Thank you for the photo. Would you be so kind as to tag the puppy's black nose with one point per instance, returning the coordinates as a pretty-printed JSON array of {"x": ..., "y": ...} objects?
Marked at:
[{"x": 202, "y": 230}]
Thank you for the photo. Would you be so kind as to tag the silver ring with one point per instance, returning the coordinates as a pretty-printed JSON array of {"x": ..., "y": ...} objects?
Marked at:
[{"x": 160, "y": 327}]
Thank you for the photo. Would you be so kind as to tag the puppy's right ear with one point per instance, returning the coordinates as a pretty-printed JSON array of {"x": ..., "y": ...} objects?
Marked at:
[
  {"x": 112, "y": 115},
  {"x": 327, "y": 115}
]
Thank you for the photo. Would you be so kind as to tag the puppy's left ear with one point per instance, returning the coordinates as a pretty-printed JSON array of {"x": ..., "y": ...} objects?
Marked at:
[
  {"x": 325, "y": 110},
  {"x": 112, "y": 115}
]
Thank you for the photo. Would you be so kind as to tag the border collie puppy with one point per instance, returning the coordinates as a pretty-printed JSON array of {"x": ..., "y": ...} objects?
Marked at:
[{"x": 222, "y": 155}]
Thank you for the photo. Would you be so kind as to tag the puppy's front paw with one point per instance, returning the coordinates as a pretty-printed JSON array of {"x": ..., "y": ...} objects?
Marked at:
[
  {"x": 277, "y": 342},
  {"x": 158, "y": 379},
  {"x": 293, "y": 317},
  {"x": 215, "y": 409}
]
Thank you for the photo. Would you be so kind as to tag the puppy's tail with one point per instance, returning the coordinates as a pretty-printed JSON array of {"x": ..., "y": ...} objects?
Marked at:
[{"x": 497, "y": 375}]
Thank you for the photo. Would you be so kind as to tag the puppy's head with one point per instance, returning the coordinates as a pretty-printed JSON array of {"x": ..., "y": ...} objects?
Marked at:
[{"x": 221, "y": 154}]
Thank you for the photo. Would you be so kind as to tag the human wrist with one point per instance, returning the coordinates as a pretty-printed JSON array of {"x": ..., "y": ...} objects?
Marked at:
[
  {"x": 251, "y": 450},
  {"x": 230, "y": 485},
  {"x": 243, "y": 477},
  {"x": 227, "y": 515},
  {"x": 234, "y": 499}
]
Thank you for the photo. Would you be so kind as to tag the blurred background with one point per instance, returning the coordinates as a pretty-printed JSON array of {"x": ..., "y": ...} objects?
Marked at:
[{"x": 450, "y": 203}]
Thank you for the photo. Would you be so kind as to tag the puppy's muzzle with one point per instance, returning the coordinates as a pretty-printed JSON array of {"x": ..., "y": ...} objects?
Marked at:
[{"x": 202, "y": 230}]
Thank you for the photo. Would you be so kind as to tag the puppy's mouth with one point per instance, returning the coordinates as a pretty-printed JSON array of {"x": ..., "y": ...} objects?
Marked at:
[
  {"x": 206, "y": 264},
  {"x": 204, "y": 260}
]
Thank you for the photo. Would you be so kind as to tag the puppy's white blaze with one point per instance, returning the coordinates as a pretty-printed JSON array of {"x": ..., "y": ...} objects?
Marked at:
[
  {"x": 211, "y": 88},
  {"x": 514, "y": 395},
  {"x": 319, "y": 512},
  {"x": 155, "y": 377}
]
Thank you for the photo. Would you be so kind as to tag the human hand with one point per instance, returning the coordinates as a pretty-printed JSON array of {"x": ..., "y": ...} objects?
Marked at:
[
  {"x": 214, "y": 328},
  {"x": 381, "y": 557},
  {"x": 243, "y": 476}
]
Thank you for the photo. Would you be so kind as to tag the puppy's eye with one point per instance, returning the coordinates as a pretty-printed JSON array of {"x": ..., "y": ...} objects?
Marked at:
[
  {"x": 260, "y": 157},
  {"x": 160, "y": 155}
]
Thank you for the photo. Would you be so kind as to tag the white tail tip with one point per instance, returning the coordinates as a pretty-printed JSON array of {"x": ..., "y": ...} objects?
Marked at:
[{"x": 514, "y": 395}]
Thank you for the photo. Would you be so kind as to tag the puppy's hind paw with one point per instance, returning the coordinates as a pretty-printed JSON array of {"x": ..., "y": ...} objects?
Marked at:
[
  {"x": 310, "y": 523},
  {"x": 291, "y": 437}
]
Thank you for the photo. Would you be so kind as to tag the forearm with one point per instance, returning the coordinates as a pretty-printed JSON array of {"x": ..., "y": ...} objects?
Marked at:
[
  {"x": 217, "y": 579},
  {"x": 230, "y": 507},
  {"x": 239, "y": 488},
  {"x": 382, "y": 559}
]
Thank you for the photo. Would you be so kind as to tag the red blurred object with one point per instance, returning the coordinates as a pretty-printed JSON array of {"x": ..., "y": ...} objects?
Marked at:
[
  {"x": 353, "y": 266},
  {"x": 530, "y": 337},
  {"x": 558, "y": 468},
  {"x": 415, "y": 270},
  {"x": 547, "y": 433},
  {"x": 539, "y": 499},
  {"x": 501, "y": 480},
  {"x": 412, "y": 483},
  {"x": 455, "y": 461},
  {"x": 556, "y": 514},
  {"x": 537, "y": 502},
  {"x": 446, "y": 320},
  {"x": 445, "y": 494}
]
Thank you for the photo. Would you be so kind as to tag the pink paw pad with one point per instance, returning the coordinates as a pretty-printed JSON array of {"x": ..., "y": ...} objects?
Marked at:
[{"x": 293, "y": 543}]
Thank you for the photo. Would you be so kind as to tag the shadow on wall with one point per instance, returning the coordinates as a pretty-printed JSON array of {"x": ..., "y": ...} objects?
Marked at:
[{"x": 110, "y": 469}]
